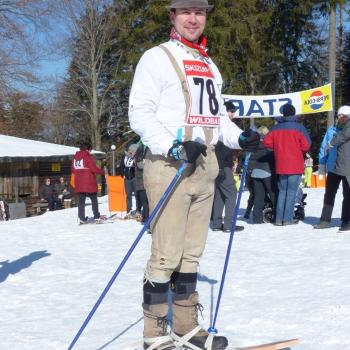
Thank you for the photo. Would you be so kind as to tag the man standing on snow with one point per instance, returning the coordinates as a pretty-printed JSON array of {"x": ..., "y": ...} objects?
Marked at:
[
  {"x": 127, "y": 170},
  {"x": 225, "y": 187},
  {"x": 177, "y": 109},
  {"x": 326, "y": 158},
  {"x": 84, "y": 169},
  {"x": 340, "y": 173}
]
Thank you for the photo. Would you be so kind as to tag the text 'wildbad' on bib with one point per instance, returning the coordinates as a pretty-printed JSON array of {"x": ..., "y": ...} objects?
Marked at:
[{"x": 204, "y": 109}]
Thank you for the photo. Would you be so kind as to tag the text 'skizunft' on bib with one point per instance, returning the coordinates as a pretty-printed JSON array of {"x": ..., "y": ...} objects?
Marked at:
[{"x": 204, "y": 93}]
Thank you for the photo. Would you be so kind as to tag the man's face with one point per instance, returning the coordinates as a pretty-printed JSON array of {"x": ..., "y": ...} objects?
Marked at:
[
  {"x": 342, "y": 119},
  {"x": 231, "y": 114},
  {"x": 189, "y": 22}
]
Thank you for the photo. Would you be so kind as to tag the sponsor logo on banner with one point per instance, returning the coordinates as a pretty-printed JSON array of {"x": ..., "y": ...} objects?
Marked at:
[
  {"x": 317, "y": 100},
  {"x": 197, "y": 68}
]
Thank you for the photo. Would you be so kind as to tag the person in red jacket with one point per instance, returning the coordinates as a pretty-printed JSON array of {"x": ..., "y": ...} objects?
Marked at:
[
  {"x": 84, "y": 169},
  {"x": 289, "y": 141}
]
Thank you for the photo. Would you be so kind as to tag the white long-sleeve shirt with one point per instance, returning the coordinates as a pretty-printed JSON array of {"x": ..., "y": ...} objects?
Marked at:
[{"x": 157, "y": 107}]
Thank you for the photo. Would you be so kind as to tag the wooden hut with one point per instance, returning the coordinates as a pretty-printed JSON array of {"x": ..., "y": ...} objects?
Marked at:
[{"x": 24, "y": 164}]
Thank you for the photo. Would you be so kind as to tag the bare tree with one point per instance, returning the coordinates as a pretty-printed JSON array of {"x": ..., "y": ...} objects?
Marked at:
[
  {"x": 92, "y": 30},
  {"x": 64, "y": 123},
  {"x": 21, "y": 23}
]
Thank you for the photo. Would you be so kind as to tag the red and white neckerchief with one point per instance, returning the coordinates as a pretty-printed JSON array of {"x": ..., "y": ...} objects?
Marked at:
[{"x": 201, "y": 46}]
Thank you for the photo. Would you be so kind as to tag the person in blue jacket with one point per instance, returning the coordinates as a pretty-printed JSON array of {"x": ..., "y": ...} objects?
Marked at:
[{"x": 327, "y": 157}]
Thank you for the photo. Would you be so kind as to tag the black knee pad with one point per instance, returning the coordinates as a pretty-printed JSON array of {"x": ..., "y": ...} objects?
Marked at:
[
  {"x": 183, "y": 284},
  {"x": 155, "y": 293}
]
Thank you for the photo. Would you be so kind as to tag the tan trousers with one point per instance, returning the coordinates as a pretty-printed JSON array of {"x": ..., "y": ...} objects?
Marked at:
[{"x": 179, "y": 231}]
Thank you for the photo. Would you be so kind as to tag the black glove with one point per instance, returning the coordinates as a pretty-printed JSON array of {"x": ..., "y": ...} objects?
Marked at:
[
  {"x": 188, "y": 150},
  {"x": 249, "y": 140}
]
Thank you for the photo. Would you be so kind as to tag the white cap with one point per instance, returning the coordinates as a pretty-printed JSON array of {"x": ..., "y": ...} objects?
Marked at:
[
  {"x": 132, "y": 147},
  {"x": 345, "y": 110}
]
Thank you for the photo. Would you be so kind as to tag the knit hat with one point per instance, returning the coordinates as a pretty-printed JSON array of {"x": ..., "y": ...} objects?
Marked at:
[
  {"x": 288, "y": 110},
  {"x": 179, "y": 4},
  {"x": 230, "y": 107},
  {"x": 345, "y": 110}
]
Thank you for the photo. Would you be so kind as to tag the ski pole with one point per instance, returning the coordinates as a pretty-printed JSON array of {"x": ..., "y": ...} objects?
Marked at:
[
  {"x": 212, "y": 328},
  {"x": 164, "y": 197}
]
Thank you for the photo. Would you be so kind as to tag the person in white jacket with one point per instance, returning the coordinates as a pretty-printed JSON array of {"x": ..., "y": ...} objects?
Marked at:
[{"x": 176, "y": 107}]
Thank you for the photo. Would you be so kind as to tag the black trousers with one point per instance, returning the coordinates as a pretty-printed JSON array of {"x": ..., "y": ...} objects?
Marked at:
[
  {"x": 53, "y": 203},
  {"x": 250, "y": 186},
  {"x": 263, "y": 188},
  {"x": 332, "y": 185},
  {"x": 144, "y": 204},
  {"x": 81, "y": 205},
  {"x": 224, "y": 197}
]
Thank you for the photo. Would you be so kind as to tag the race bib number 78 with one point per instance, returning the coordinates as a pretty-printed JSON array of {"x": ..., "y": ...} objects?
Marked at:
[{"x": 205, "y": 95}]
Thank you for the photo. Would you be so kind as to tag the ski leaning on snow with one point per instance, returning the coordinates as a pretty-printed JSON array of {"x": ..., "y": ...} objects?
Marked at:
[
  {"x": 110, "y": 219},
  {"x": 278, "y": 345}
]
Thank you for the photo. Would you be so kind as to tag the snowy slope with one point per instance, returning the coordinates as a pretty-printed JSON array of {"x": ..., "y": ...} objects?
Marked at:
[{"x": 283, "y": 282}]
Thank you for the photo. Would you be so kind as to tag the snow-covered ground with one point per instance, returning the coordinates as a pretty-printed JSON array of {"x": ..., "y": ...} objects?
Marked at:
[{"x": 282, "y": 282}]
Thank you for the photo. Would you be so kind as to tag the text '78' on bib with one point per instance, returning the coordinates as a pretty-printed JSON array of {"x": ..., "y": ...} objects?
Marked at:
[{"x": 204, "y": 109}]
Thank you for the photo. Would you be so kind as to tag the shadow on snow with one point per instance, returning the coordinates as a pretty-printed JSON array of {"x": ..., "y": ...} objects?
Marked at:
[{"x": 10, "y": 268}]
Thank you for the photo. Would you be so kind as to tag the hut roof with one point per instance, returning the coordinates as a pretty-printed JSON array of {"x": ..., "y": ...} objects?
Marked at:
[{"x": 14, "y": 149}]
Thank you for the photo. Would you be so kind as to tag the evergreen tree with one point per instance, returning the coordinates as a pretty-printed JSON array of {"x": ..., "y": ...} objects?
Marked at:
[
  {"x": 345, "y": 79},
  {"x": 294, "y": 29},
  {"x": 237, "y": 33}
]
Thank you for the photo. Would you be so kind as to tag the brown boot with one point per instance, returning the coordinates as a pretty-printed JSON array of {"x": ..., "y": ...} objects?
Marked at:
[
  {"x": 185, "y": 321},
  {"x": 155, "y": 334}
]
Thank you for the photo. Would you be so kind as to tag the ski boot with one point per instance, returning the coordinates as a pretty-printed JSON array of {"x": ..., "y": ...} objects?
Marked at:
[
  {"x": 187, "y": 333},
  {"x": 155, "y": 311},
  {"x": 155, "y": 332}
]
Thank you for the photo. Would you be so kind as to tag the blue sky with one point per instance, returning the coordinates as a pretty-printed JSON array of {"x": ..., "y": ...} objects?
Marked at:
[{"x": 54, "y": 67}]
